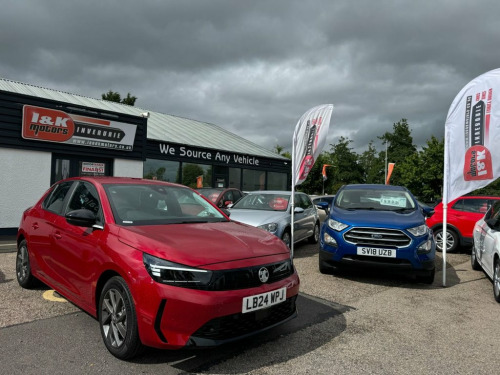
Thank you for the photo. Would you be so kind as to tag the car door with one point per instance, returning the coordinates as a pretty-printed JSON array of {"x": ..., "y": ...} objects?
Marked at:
[
  {"x": 300, "y": 218},
  {"x": 467, "y": 212},
  {"x": 310, "y": 215},
  {"x": 77, "y": 249},
  {"x": 489, "y": 244},
  {"x": 41, "y": 226}
]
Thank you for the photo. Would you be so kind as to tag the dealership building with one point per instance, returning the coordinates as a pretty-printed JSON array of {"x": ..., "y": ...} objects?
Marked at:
[{"x": 47, "y": 135}]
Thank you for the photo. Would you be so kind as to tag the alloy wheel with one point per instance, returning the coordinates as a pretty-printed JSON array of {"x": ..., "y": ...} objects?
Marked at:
[
  {"x": 450, "y": 240},
  {"x": 496, "y": 281},
  {"x": 22, "y": 264},
  {"x": 114, "y": 318}
]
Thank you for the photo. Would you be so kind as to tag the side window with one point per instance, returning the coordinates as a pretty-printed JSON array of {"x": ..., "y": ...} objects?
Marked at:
[
  {"x": 227, "y": 197},
  {"x": 237, "y": 196},
  {"x": 85, "y": 197},
  {"x": 494, "y": 212},
  {"x": 300, "y": 201},
  {"x": 306, "y": 202},
  {"x": 54, "y": 201},
  {"x": 471, "y": 205}
]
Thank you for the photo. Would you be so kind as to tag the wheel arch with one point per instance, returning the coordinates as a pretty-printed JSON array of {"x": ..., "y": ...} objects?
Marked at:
[
  {"x": 103, "y": 279},
  {"x": 449, "y": 227}
]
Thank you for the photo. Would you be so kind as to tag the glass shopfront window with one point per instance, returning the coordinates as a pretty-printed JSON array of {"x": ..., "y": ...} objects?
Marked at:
[
  {"x": 235, "y": 178},
  {"x": 276, "y": 181},
  {"x": 253, "y": 180},
  {"x": 162, "y": 170},
  {"x": 196, "y": 175}
]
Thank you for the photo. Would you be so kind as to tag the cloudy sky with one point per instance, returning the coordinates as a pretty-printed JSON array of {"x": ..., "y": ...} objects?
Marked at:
[{"x": 254, "y": 67}]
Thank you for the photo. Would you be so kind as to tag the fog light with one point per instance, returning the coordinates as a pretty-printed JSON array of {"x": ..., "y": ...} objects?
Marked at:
[
  {"x": 425, "y": 247},
  {"x": 329, "y": 240}
]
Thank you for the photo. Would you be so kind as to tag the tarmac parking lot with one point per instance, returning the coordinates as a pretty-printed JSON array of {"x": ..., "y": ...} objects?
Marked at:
[{"x": 354, "y": 322}]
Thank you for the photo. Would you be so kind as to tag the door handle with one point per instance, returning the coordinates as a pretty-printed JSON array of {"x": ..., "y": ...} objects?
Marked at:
[
  {"x": 57, "y": 235},
  {"x": 34, "y": 225}
]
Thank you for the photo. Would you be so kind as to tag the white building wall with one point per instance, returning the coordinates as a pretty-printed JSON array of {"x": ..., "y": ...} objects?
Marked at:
[
  {"x": 128, "y": 168},
  {"x": 25, "y": 177}
]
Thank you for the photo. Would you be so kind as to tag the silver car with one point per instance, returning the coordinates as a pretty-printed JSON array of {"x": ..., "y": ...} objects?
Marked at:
[{"x": 271, "y": 210}]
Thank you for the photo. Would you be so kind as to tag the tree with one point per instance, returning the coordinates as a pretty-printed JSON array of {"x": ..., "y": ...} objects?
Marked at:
[
  {"x": 372, "y": 165},
  {"x": 116, "y": 97},
  {"x": 279, "y": 150},
  {"x": 347, "y": 169},
  {"x": 399, "y": 147}
]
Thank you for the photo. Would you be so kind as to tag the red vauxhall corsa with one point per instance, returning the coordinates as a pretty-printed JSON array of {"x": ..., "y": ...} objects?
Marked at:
[{"x": 156, "y": 264}]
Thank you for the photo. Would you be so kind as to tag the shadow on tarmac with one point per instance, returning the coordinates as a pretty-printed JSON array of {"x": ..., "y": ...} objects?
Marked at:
[{"x": 312, "y": 311}]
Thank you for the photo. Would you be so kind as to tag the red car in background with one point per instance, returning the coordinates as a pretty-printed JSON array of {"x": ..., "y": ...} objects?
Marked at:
[
  {"x": 463, "y": 213},
  {"x": 155, "y": 263},
  {"x": 221, "y": 197}
]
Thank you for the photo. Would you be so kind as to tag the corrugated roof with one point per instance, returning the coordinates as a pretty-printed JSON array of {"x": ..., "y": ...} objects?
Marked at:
[{"x": 161, "y": 127}]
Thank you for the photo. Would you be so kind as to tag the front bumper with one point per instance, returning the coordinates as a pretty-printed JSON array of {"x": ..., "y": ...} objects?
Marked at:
[
  {"x": 173, "y": 317},
  {"x": 407, "y": 258}
]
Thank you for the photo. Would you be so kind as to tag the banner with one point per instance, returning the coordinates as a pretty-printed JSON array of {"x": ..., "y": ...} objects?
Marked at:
[
  {"x": 472, "y": 135},
  {"x": 199, "y": 182},
  {"x": 309, "y": 138},
  {"x": 324, "y": 171},
  {"x": 390, "y": 168}
]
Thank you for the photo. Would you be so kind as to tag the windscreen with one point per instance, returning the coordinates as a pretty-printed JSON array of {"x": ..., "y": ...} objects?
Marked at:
[
  {"x": 375, "y": 199},
  {"x": 264, "y": 202},
  {"x": 151, "y": 204}
]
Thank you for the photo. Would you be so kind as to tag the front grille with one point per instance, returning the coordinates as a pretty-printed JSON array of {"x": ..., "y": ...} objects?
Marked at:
[
  {"x": 377, "y": 237},
  {"x": 231, "y": 326},
  {"x": 243, "y": 278}
]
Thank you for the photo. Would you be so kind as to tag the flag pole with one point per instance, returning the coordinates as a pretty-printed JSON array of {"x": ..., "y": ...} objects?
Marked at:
[
  {"x": 292, "y": 200},
  {"x": 445, "y": 203}
]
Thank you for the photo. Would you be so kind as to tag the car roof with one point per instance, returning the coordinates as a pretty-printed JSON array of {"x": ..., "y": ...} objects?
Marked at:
[
  {"x": 271, "y": 192},
  {"x": 101, "y": 180},
  {"x": 374, "y": 186}
]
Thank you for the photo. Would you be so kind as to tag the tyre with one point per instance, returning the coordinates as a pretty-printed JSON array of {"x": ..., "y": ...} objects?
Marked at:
[
  {"x": 473, "y": 260},
  {"x": 496, "y": 280},
  {"x": 118, "y": 320},
  {"x": 315, "y": 236},
  {"x": 287, "y": 238},
  {"x": 451, "y": 240},
  {"x": 23, "y": 267},
  {"x": 427, "y": 278}
]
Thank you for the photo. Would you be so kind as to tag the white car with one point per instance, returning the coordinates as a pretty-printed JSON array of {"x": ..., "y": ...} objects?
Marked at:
[{"x": 486, "y": 250}]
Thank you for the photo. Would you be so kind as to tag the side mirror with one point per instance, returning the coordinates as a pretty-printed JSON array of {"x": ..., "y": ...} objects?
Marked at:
[
  {"x": 298, "y": 210},
  {"x": 81, "y": 218},
  {"x": 428, "y": 211},
  {"x": 322, "y": 206},
  {"x": 227, "y": 203}
]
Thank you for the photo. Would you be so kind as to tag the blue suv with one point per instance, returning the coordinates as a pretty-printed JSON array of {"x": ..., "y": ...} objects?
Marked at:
[{"x": 378, "y": 225}]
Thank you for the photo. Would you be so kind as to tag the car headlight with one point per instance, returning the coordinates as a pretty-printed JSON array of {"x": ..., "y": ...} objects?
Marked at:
[
  {"x": 336, "y": 225},
  {"x": 270, "y": 227},
  {"x": 418, "y": 231},
  {"x": 175, "y": 274}
]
